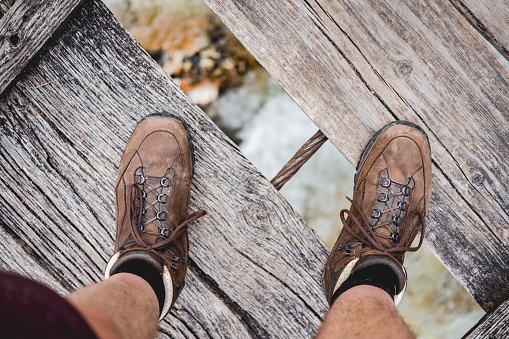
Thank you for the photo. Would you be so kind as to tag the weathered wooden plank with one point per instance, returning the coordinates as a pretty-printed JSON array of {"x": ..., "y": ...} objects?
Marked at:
[
  {"x": 15, "y": 256},
  {"x": 492, "y": 325},
  {"x": 490, "y": 18},
  {"x": 185, "y": 314},
  {"x": 38, "y": 171},
  {"x": 354, "y": 66},
  {"x": 26, "y": 27},
  {"x": 63, "y": 127}
]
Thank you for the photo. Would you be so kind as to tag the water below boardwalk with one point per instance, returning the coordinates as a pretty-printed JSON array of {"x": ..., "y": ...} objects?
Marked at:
[{"x": 210, "y": 65}]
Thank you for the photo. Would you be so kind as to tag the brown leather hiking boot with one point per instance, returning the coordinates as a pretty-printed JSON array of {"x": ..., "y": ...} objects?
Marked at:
[
  {"x": 152, "y": 197},
  {"x": 391, "y": 194}
]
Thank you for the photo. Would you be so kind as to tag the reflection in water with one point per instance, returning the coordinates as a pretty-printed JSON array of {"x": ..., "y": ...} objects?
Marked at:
[{"x": 193, "y": 46}]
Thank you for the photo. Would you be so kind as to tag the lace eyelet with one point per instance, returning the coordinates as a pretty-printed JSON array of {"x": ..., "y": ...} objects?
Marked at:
[
  {"x": 143, "y": 194},
  {"x": 143, "y": 211},
  {"x": 162, "y": 198},
  {"x": 396, "y": 219},
  {"x": 163, "y": 182},
  {"x": 140, "y": 179},
  {"x": 406, "y": 190},
  {"x": 385, "y": 182},
  {"x": 383, "y": 197},
  {"x": 375, "y": 214},
  {"x": 402, "y": 205},
  {"x": 164, "y": 232},
  {"x": 348, "y": 249},
  {"x": 142, "y": 227},
  {"x": 395, "y": 237},
  {"x": 161, "y": 216}
]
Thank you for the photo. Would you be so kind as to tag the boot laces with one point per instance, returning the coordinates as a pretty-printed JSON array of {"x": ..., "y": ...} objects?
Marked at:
[
  {"x": 137, "y": 212},
  {"x": 395, "y": 201}
]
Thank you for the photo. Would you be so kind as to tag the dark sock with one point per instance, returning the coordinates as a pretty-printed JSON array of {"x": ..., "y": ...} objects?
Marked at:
[
  {"x": 149, "y": 273},
  {"x": 379, "y": 276}
]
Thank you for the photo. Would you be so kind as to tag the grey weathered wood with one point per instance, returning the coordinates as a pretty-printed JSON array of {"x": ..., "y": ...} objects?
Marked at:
[
  {"x": 255, "y": 266},
  {"x": 17, "y": 257},
  {"x": 490, "y": 18},
  {"x": 493, "y": 325},
  {"x": 4, "y": 6},
  {"x": 26, "y": 27},
  {"x": 354, "y": 66}
]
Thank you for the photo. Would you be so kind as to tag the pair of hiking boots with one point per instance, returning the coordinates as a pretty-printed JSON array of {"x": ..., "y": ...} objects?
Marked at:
[{"x": 392, "y": 191}]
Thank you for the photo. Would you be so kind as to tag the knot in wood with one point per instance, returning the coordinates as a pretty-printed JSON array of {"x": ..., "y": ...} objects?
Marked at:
[
  {"x": 14, "y": 39},
  {"x": 205, "y": 126},
  {"x": 478, "y": 179},
  {"x": 255, "y": 214},
  {"x": 404, "y": 67}
]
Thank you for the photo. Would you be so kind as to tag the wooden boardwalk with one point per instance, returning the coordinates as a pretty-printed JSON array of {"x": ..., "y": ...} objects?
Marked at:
[
  {"x": 73, "y": 84},
  {"x": 353, "y": 66},
  {"x": 70, "y": 96}
]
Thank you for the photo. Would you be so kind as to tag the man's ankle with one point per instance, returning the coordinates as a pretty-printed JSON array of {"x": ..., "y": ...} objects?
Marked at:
[
  {"x": 380, "y": 276},
  {"x": 146, "y": 270}
]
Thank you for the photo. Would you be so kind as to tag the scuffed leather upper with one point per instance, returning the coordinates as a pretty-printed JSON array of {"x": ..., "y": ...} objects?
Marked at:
[
  {"x": 158, "y": 150},
  {"x": 400, "y": 153}
]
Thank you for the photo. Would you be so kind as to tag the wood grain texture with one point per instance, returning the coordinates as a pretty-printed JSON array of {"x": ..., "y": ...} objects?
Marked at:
[
  {"x": 354, "y": 66},
  {"x": 255, "y": 268},
  {"x": 15, "y": 256},
  {"x": 492, "y": 325},
  {"x": 4, "y": 6},
  {"x": 490, "y": 18},
  {"x": 25, "y": 28}
]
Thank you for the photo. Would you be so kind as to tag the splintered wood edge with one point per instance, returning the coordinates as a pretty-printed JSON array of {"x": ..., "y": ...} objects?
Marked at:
[{"x": 493, "y": 325}]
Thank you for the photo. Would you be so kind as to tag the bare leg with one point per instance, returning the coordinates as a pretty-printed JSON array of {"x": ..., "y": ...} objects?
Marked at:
[
  {"x": 123, "y": 306},
  {"x": 364, "y": 312}
]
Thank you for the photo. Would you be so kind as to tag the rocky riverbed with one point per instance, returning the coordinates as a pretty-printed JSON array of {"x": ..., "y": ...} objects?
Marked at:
[{"x": 206, "y": 60}]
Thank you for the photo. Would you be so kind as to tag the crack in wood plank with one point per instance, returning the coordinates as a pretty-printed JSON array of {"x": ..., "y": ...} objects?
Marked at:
[
  {"x": 255, "y": 329},
  {"x": 489, "y": 20}
]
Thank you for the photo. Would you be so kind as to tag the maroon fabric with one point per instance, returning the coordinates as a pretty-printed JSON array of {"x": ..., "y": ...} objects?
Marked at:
[{"x": 31, "y": 310}]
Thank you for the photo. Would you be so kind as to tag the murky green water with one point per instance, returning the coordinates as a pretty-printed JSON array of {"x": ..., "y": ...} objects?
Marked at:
[{"x": 270, "y": 127}]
